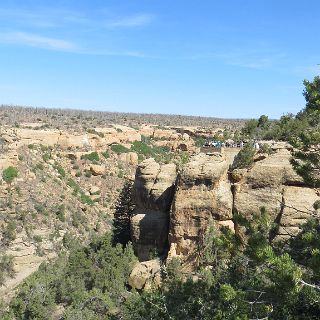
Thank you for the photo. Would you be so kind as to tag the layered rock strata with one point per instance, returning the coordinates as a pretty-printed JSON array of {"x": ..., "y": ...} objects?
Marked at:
[
  {"x": 203, "y": 195},
  {"x": 176, "y": 212},
  {"x": 154, "y": 189},
  {"x": 273, "y": 184}
]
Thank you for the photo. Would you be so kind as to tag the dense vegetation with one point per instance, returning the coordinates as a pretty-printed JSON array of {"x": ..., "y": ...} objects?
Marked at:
[
  {"x": 90, "y": 283},
  {"x": 9, "y": 174},
  {"x": 239, "y": 277},
  {"x": 146, "y": 149}
]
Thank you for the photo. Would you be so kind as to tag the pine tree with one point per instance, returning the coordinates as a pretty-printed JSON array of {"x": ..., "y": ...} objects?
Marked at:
[
  {"x": 306, "y": 160},
  {"x": 122, "y": 215}
]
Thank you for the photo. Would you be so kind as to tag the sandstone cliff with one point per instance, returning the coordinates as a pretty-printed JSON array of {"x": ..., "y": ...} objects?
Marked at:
[
  {"x": 203, "y": 194},
  {"x": 176, "y": 210},
  {"x": 153, "y": 192},
  {"x": 273, "y": 184}
]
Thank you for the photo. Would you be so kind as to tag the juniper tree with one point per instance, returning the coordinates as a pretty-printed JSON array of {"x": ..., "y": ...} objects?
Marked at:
[
  {"x": 122, "y": 215},
  {"x": 306, "y": 160}
]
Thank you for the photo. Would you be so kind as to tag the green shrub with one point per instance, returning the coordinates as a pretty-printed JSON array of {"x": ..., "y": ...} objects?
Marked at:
[
  {"x": 18, "y": 190},
  {"x": 199, "y": 141},
  {"x": 60, "y": 213},
  {"x": 46, "y": 156},
  {"x": 60, "y": 170},
  {"x": 143, "y": 148},
  {"x": 88, "y": 173},
  {"x": 6, "y": 268},
  {"x": 93, "y": 131},
  {"x": 105, "y": 154},
  {"x": 44, "y": 148},
  {"x": 37, "y": 238},
  {"x": 184, "y": 157},
  {"x": 119, "y": 148},
  {"x": 71, "y": 183},
  {"x": 265, "y": 148},
  {"x": 93, "y": 156},
  {"x": 9, "y": 174},
  {"x": 245, "y": 157},
  {"x": 9, "y": 233},
  {"x": 90, "y": 283},
  {"x": 86, "y": 199},
  {"x": 39, "y": 166},
  {"x": 39, "y": 208},
  {"x": 316, "y": 205},
  {"x": 69, "y": 241}
]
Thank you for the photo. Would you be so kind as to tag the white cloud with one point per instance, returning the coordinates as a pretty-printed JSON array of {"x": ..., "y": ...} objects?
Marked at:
[
  {"x": 138, "y": 20},
  {"x": 252, "y": 58},
  {"x": 34, "y": 40}
]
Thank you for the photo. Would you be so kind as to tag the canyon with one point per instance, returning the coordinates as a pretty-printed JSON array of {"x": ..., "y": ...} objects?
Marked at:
[{"x": 176, "y": 206}]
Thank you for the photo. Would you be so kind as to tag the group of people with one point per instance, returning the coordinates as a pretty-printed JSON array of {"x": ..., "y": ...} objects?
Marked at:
[
  {"x": 222, "y": 144},
  {"x": 228, "y": 144}
]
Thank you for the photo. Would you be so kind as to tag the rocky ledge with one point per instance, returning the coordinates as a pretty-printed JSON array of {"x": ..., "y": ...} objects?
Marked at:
[{"x": 174, "y": 210}]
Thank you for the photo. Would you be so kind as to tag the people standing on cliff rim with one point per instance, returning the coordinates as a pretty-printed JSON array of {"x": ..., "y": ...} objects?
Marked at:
[{"x": 227, "y": 144}]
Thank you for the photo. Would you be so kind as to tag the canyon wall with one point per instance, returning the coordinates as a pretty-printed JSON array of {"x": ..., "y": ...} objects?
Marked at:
[{"x": 174, "y": 210}]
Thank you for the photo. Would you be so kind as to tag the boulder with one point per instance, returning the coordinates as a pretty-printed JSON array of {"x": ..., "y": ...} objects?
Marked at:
[
  {"x": 71, "y": 156},
  {"x": 144, "y": 272},
  {"x": 133, "y": 158},
  {"x": 130, "y": 157},
  {"x": 185, "y": 137},
  {"x": 97, "y": 170},
  {"x": 94, "y": 190},
  {"x": 174, "y": 212}
]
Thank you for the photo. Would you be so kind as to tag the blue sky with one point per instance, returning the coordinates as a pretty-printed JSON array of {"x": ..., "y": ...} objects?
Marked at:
[{"x": 235, "y": 59}]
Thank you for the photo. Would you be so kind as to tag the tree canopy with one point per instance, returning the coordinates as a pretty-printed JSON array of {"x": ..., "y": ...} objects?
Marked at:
[{"x": 306, "y": 159}]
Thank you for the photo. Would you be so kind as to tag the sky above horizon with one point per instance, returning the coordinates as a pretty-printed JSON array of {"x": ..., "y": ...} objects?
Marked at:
[{"x": 227, "y": 59}]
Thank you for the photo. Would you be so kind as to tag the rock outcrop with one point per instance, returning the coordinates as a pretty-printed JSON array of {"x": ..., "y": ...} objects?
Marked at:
[
  {"x": 203, "y": 195},
  {"x": 144, "y": 274},
  {"x": 273, "y": 184},
  {"x": 206, "y": 191},
  {"x": 153, "y": 192}
]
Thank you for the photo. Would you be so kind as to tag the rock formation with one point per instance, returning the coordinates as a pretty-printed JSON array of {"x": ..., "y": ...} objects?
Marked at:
[
  {"x": 203, "y": 194},
  {"x": 153, "y": 192},
  {"x": 273, "y": 184},
  {"x": 206, "y": 191},
  {"x": 144, "y": 274}
]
